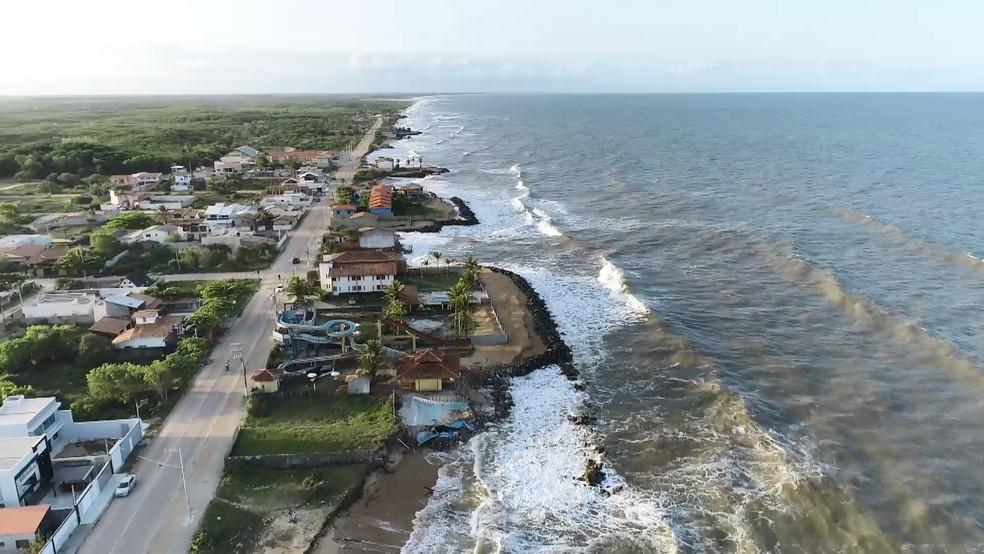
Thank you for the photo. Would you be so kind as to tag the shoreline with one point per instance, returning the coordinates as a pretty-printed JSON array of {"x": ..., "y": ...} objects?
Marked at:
[{"x": 386, "y": 503}]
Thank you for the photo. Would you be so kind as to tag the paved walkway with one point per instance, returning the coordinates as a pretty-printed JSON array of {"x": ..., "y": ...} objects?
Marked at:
[{"x": 204, "y": 423}]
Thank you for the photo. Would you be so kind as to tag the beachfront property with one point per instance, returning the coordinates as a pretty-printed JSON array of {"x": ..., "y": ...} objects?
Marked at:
[
  {"x": 317, "y": 158},
  {"x": 360, "y": 271},
  {"x": 381, "y": 200},
  {"x": 428, "y": 370},
  {"x": 375, "y": 238},
  {"x": 384, "y": 163}
]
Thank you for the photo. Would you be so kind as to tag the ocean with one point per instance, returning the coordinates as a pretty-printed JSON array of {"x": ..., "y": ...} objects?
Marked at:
[{"x": 775, "y": 302}]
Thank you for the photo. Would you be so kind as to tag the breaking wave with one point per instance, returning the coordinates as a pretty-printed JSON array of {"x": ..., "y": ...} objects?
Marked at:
[
  {"x": 614, "y": 280},
  {"x": 927, "y": 348},
  {"x": 919, "y": 245}
]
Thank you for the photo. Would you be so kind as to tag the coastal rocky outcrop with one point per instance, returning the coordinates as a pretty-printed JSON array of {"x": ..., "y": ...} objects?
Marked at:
[
  {"x": 465, "y": 217},
  {"x": 594, "y": 474}
]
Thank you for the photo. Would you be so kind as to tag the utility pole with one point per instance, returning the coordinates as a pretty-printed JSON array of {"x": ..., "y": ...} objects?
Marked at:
[{"x": 237, "y": 354}]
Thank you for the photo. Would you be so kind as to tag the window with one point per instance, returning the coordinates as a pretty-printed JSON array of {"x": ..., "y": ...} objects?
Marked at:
[{"x": 23, "y": 544}]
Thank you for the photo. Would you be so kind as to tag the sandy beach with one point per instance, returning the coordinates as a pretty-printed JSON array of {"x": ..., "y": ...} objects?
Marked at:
[{"x": 381, "y": 521}]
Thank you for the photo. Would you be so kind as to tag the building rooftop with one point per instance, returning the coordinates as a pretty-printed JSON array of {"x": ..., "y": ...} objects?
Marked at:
[
  {"x": 361, "y": 256},
  {"x": 429, "y": 364},
  {"x": 109, "y": 326},
  {"x": 267, "y": 375},
  {"x": 350, "y": 270},
  {"x": 381, "y": 197},
  {"x": 222, "y": 209},
  {"x": 14, "y": 449},
  {"x": 20, "y": 410},
  {"x": 163, "y": 328},
  {"x": 63, "y": 298},
  {"x": 22, "y": 520}
]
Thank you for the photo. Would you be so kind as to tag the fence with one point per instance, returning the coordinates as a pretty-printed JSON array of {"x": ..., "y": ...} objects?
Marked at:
[{"x": 86, "y": 508}]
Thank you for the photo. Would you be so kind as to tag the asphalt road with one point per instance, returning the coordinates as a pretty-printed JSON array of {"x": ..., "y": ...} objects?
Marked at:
[{"x": 155, "y": 517}]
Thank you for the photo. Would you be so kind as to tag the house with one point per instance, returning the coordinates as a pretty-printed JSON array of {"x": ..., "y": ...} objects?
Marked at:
[
  {"x": 202, "y": 173},
  {"x": 266, "y": 380},
  {"x": 182, "y": 178},
  {"x": 139, "y": 181},
  {"x": 152, "y": 331},
  {"x": 37, "y": 260},
  {"x": 360, "y": 271},
  {"x": 155, "y": 233},
  {"x": 137, "y": 280},
  {"x": 342, "y": 210},
  {"x": 166, "y": 201},
  {"x": 372, "y": 237},
  {"x": 224, "y": 216},
  {"x": 123, "y": 201},
  {"x": 318, "y": 158},
  {"x": 237, "y": 161},
  {"x": 21, "y": 526},
  {"x": 428, "y": 370},
  {"x": 381, "y": 200},
  {"x": 289, "y": 200},
  {"x": 109, "y": 327},
  {"x": 61, "y": 307},
  {"x": 385, "y": 164},
  {"x": 32, "y": 430},
  {"x": 189, "y": 221},
  {"x": 233, "y": 238},
  {"x": 11, "y": 242},
  {"x": 411, "y": 190},
  {"x": 45, "y": 223}
]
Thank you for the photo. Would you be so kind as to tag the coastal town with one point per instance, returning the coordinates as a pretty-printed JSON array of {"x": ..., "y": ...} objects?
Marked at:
[{"x": 238, "y": 357}]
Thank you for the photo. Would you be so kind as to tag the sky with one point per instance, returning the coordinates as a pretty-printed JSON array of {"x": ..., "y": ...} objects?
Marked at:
[{"x": 414, "y": 46}]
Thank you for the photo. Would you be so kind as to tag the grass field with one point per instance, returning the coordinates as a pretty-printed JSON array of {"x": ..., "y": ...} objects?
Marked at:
[
  {"x": 319, "y": 423},
  {"x": 249, "y": 497},
  {"x": 432, "y": 280}
]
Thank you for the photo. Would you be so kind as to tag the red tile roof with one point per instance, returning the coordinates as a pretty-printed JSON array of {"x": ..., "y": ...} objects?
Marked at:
[
  {"x": 267, "y": 375},
  {"x": 429, "y": 364},
  {"x": 381, "y": 197},
  {"x": 22, "y": 520}
]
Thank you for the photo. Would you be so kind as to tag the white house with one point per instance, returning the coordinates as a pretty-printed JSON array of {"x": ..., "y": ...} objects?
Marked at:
[
  {"x": 182, "y": 178},
  {"x": 237, "y": 161},
  {"x": 359, "y": 271},
  {"x": 61, "y": 307},
  {"x": 156, "y": 332},
  {"x": 384, "y": 163},
  {"x": 234, "y": 238},
  {"x": 223, "y": 216},
  {"x": 21, "y": 525},
  {"x": 167, "y": 201},
  {"x": 266, "y": 380},
  {"x": 291, "y": 200},
  {"x": 21, "y": 461},
  {"x": 155, "y": 233},
  {"x": 24, "y": 417},
  {"x": 372, "y": 237}
]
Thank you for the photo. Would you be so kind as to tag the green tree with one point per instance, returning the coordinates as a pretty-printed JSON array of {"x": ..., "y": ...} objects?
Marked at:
[
  {"x": 116, "y": 382},
  {"x": 301, "y": 289},
  {"x": 371, "y": 360},
  {"x": 104, "y": 244},
  {"x": 471, "y": 264},
  {"x": 131, "y": 221},
  {"x": 69, "y": 179},
  {"x": 10, "y": 388},
  {"x": 394, "y": 308},
  {"x": 162, "y": 376},
  {"x": 77, "y": 261},
  {"x": 461, "y": 309},
  {"x": 94, "y": 350},
  {"x": 437, "y": 258}
]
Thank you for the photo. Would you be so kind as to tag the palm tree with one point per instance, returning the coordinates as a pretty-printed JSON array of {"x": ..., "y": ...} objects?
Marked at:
[
  {"x": 394, "y": 309},
  {"x": 371, "y": 360},
  {"x": 162, "y": 212},
  {"x": 461, "y": 309},
  {"x": 437, "y": 258},
  {"x": 301, "y": 289},
  {"x": 471, "y": 264}
]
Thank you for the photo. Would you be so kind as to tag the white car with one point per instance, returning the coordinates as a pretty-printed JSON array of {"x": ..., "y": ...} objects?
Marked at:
[{"x": 126, "y": 485}]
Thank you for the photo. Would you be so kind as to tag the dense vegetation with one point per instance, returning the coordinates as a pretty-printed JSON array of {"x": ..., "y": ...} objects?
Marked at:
[{"x": 70, "y": 139}]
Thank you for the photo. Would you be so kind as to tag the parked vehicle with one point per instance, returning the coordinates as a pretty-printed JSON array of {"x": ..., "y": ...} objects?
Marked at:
[
  {"x": 296, "y": 261},
  {"x": 126, "y": 485}
]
